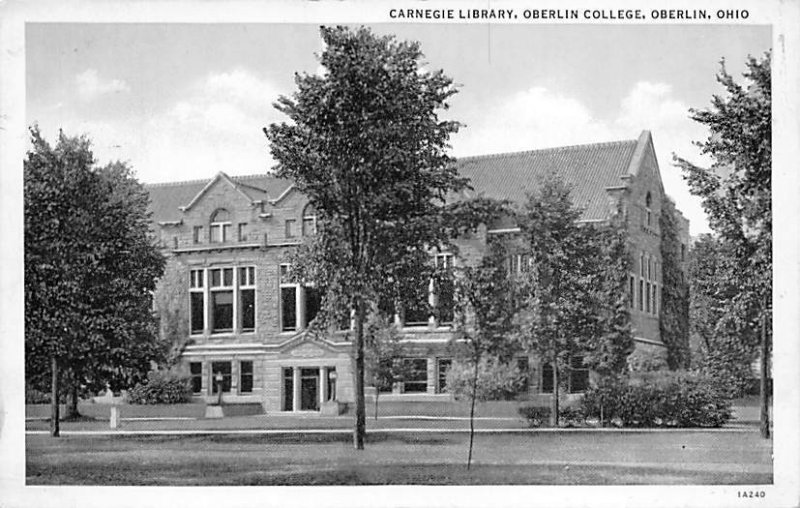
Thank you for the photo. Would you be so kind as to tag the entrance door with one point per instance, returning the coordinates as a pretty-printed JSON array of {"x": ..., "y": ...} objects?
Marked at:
[{"x": 309, "y": 386}]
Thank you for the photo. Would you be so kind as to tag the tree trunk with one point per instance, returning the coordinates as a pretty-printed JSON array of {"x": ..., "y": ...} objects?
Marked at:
[
  {"x": 360, "y": 417},
  {"x": 72, "y": 407},
  {"x": 472, "y": 413},
  {"x": 54, "y": 410},
  {"x": 765, "y": 396},
  {"x": 377, "y": 394},
  {"x": 554, "y": 400}
]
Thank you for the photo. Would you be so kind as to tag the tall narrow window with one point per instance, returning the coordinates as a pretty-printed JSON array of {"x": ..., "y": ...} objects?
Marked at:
[
  {"x": 221, "y": 288},
  {"x": 632, "y": 291},
  {"x": 443, "y": 366},
  {"x": 648, "y": 203},
  {"x": 290, "y": 227},
  {"x": 647, "y": 298},
  {"x": 444, "y": 289},
  {"x": 196, "y": 373},
  {"x": 223, "y": 368},
  {"x": 197, "y": 234},
  {"x": 416, "y": 379},
  {"x": 197, "y": 301},
  {"x": 578, "y": 374},
  {"x": 247, "y": 298},
  {"x": 523, "y": 365},
  {"x": 309, "y": 220},
  {"x": 288, "y": 301},
  {"x": 312, "y": 300},
  {"x": 547, "y": 378},
  {"x": 246, "y": 377},
  {"x": 655, "y": 299},
  {"x": 641, "y": 294},
  {"x": 288, "y": 389},
  {"x": 242, "y": 231},
  {"x": 220, "y": 227}
]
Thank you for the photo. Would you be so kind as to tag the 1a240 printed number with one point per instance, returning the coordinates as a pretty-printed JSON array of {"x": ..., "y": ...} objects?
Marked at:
[{"x": 752, "y": 493}]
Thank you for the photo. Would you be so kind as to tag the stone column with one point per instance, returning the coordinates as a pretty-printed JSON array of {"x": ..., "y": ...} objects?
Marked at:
[
  {"x": 432, "y": 375},
  {"x": 323, "y": 385},
  {"x": 300, "y": 309},
  {"x": 296, "y": 388}
]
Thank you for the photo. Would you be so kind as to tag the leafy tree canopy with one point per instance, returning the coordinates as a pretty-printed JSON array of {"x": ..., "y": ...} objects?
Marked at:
[{"x": 90, "y": 267}]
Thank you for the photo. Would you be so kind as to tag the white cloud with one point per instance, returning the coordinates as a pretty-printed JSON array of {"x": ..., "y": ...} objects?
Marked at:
[
  {"x": 217, "y": 126},
  {"x": 90, "y": 85},
  {"x": 541, "y": 118}
]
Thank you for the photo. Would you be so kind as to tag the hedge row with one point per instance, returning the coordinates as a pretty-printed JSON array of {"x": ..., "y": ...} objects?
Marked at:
[
  {"x": 162, "y": 387},
  {"x": 662, "y": 399}
]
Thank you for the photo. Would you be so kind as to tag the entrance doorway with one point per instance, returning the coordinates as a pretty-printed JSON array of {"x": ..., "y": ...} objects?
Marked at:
[{"x": 309, "y": 386}]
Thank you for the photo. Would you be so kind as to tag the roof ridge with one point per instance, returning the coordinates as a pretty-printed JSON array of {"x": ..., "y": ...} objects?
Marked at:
[
  {"x": 550, "y": 149},
  {"x": 204, "y": 180}
]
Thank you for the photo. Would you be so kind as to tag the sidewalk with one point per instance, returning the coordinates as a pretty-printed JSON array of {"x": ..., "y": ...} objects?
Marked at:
[{"x": 188, "y": 418}]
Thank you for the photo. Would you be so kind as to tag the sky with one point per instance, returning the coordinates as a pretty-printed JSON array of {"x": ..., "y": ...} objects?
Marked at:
[{"x": 185, "y": 101}]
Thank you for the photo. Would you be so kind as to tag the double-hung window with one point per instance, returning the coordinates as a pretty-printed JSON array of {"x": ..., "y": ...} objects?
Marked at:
[
  {"x": 433, "y": 302},
  {"x": 221, "y": 287},
  {"x": 444, "y": 289},
  {"x": 247, "y": 298},
  {"x": 309, "y": 220},
  {"x": 300, "y": 303},
  {"x": 197, "y": 301},
  {"x": 222, "y": 300},
  {"x": 219, "y": 230}
]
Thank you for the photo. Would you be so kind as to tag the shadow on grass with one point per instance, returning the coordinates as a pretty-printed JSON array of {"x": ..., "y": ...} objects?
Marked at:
[{"x": 399, "y": 474}]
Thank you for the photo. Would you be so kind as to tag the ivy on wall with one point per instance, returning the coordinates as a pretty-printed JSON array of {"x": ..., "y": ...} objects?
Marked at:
[{"x": 674, "y": 320}]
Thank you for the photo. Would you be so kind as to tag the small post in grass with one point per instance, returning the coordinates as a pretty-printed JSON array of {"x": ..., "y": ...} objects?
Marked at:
[{"x": 114, "y": 419}]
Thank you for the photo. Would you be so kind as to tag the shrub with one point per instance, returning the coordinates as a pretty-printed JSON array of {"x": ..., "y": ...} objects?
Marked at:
[
  {"x": 537, "y": 416},
  {"x": 660, "y": 399},
  {"x": 496, "y": 380},
  {"x": 162, "y": 387}
]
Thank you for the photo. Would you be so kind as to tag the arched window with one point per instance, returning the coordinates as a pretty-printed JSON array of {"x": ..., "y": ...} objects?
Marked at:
[
  {"x": 648, "y": 202},
  {"x": 220, "y": 227},
  {"x": 309, "y": 220}
]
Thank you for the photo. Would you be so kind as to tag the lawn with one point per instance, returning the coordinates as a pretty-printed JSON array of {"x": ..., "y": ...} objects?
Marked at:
[{"x": 435, "y": 459}]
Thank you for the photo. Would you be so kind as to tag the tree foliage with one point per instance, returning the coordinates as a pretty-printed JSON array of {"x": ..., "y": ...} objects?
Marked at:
[
  {"x": 90, "y": 268},
  {"x": 728, "y": 340},
  {"x": 674, "y": 322},
  {"x": 574, "y": 293},
  {"x": 737, "y": 198},
  {"x": 736, "y": 188},
  {"x": 366, "y": 145},
  {"x": 485, "y": 306}
]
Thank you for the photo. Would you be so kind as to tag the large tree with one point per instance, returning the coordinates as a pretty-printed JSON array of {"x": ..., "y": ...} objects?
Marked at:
[
  {"x": 366, "y": 145},
  {"x": 90, "y": 269},
  {"x": 574, "y": 297},
  {"x": 727, "y": 340},
  {"x": 737, "y": 196}
]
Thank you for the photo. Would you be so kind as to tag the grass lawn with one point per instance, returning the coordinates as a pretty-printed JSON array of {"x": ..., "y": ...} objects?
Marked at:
[{"x": 437, "y": 459}]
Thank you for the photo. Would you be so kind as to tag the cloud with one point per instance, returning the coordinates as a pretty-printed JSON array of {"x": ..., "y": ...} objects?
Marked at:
[
  {"x": 90, "y": 85},
  {"x": 216, "y": 126},
  {"x": 542, "y": 118}
]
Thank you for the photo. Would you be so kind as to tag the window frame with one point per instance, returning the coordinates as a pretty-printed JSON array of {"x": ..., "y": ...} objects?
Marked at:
[
  {"x": 196, "y": 378},
  {"x": 309, "y": 217},
  {"x": 245, "y": 375},
  {"x": 219, "y": 230},
  {"x": 201, "y": 282},
  {"x": 227, "y": 379}
]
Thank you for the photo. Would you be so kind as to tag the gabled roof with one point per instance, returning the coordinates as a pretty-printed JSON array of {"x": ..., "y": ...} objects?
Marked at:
[
  {"x": 166, "y": 199},
  {"x": 588, "y": 169}
]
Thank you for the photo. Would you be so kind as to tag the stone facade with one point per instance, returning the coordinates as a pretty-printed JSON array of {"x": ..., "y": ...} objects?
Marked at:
[{"x": 230, "y": 237}]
